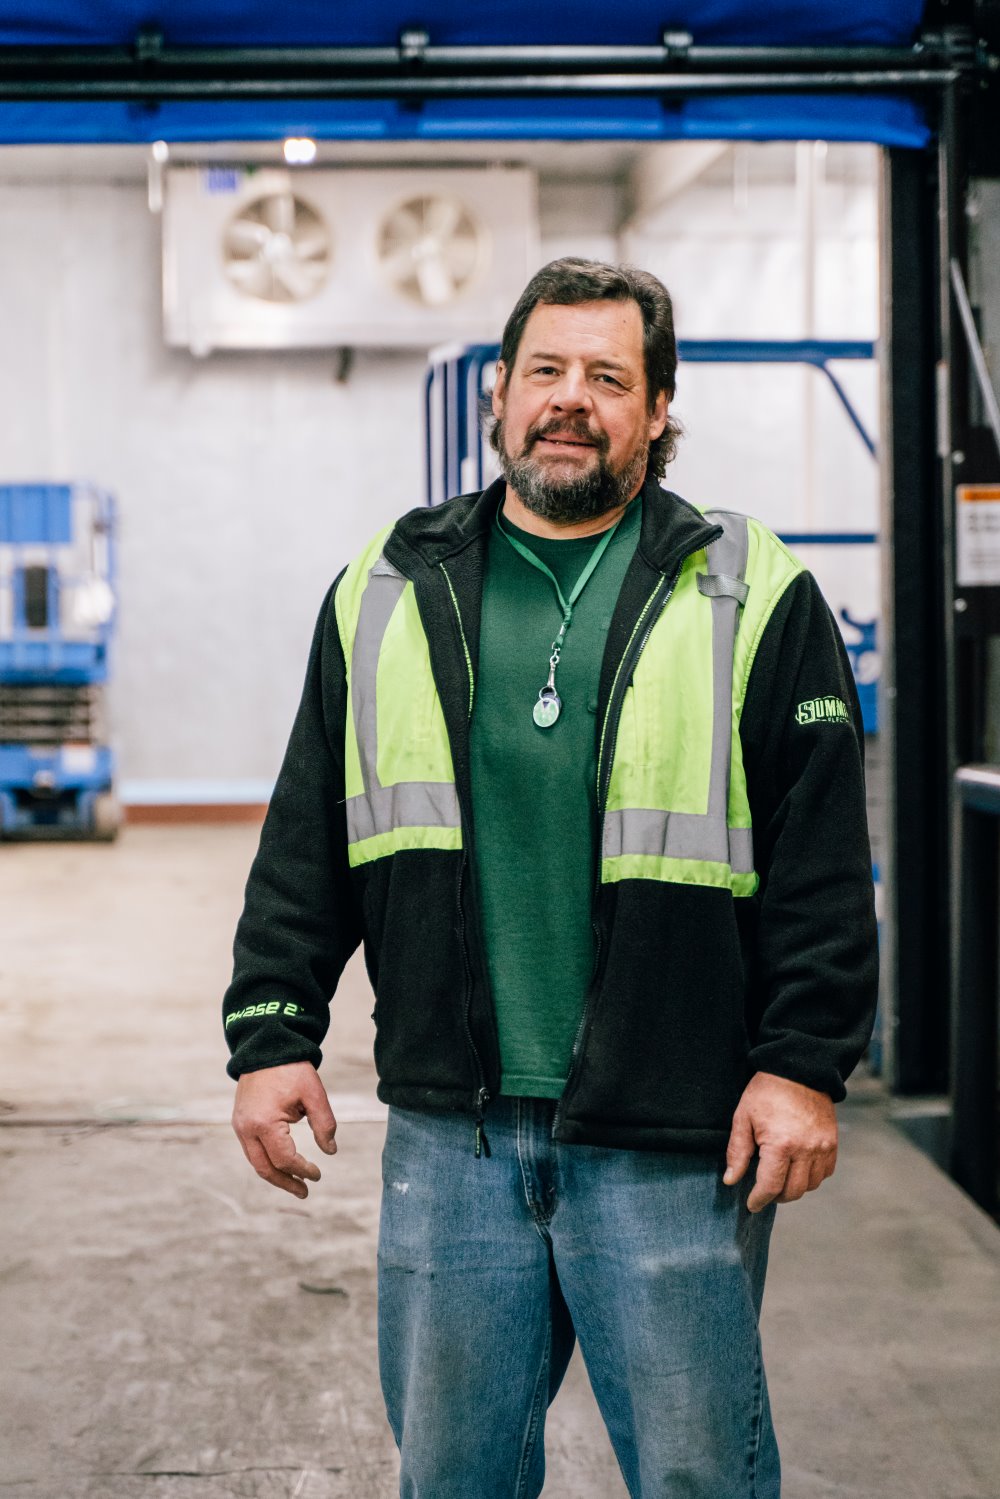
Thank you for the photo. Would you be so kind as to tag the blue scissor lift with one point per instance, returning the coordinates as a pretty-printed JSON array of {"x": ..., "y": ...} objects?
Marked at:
[{"x": 57, "y": 615}]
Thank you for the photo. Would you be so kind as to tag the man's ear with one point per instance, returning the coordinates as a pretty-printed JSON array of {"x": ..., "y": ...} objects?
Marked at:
[
  {"x": 499, "y": 389},
  {"x": 658, "y": 416}
]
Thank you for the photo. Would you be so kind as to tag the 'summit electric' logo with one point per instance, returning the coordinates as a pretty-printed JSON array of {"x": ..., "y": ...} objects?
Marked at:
[{"x": 823, "y": 710}]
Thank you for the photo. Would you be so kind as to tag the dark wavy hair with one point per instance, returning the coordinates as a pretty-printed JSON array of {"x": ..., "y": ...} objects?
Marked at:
[{"x": 567, "y": 282}]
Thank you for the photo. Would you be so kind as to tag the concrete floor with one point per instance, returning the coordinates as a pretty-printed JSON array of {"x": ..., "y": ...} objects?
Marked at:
[{"x": 170, "y": 1326}]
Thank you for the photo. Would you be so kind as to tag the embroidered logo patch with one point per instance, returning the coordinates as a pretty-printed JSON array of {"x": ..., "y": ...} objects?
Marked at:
[
  {"x": 823, "y": 710},
  {"x": 270, "y": 1008}
]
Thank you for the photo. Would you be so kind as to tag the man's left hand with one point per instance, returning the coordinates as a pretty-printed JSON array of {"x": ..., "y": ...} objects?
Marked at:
[{"x": 795, "y": 1130}]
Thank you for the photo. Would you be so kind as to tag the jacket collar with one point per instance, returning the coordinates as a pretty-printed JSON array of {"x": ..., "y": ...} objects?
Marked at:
[{"x": 671, "y": 528}]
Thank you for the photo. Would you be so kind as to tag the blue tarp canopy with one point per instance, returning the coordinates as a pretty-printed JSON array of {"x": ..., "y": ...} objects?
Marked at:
[{"x": 886, "y": 120}]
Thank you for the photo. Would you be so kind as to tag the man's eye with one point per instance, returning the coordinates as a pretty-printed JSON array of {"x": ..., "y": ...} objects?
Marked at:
[
  {"x": 609, "y": 378},
  {"x": 545, "y": 369}
]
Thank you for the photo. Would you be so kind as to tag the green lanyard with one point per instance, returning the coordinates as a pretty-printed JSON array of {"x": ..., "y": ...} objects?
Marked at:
[{"x": 549, "y": 704}]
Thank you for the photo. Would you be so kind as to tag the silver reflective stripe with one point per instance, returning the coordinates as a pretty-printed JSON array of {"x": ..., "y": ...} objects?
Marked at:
[
  {"x": 383, "y": 593},
  {"x": 677, "y": 835},
  {"x": 381, "y": 809},
  {"x": 692, "y": 835},
  {"x": 410, "y": 804},
  {"x": 741, "y": 850},
  {"x": 727, "y": 558}
]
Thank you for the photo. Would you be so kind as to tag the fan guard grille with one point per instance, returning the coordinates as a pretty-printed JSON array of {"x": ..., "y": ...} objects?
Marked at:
[
  {"x": 277, "y": 249},
  {"x": 431, "y": 248}
]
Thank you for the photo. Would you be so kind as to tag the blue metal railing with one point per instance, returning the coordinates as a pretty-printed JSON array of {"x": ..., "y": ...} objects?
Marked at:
[{"x": 817, "y": 353}]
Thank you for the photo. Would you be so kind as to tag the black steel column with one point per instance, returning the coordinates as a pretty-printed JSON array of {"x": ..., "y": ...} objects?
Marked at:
[
  {"x": 917, "y": 675},
  {"x": 974, "y": 1154}
]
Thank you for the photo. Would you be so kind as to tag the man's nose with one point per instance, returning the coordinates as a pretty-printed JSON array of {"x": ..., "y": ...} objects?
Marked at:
[{"x": 571, "y": 392}]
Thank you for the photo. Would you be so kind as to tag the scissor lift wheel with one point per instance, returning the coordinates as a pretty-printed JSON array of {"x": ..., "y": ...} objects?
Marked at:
[{"x": 107, "y": 817}]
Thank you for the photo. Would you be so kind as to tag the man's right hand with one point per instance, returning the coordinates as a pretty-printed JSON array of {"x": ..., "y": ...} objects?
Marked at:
[{"x": 267, "y": 1104}]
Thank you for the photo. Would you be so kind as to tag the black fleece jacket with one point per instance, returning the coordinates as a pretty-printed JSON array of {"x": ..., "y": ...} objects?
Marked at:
[{"x": 693, "y": 990}]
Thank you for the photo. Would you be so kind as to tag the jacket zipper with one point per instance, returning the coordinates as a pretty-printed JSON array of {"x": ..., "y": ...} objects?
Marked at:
[
  {"x": 653, "y": 607},
  {"x": 482, "y": 1097}
]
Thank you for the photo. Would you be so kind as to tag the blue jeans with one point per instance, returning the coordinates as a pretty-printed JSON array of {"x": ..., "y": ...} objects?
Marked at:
[{"x": 490, "y": 1268}]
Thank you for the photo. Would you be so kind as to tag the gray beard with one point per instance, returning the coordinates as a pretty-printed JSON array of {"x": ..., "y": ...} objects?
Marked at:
[{"x": 581, "y": 497}]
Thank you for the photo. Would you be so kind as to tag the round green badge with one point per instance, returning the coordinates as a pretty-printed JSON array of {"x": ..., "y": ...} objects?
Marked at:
[{"x": 547, "y": 709}]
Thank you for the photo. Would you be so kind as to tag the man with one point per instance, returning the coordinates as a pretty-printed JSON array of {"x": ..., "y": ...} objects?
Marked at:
[{"x": 580, "y": 765}]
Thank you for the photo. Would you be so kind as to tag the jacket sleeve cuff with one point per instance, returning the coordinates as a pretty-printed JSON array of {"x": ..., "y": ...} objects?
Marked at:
[
  {"x": 815, "y": 1072},
  {"x": 257, "y": 1051}
]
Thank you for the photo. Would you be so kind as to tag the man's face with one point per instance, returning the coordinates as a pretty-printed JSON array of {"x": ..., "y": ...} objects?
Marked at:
[{"x": 574, "y": 419}]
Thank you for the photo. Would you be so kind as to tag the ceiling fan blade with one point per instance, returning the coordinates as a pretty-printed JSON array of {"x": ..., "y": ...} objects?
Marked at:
[
  {"x": 460, "y": 254},
  {"x": 279, "y": 212},
  {"x": 298, "y": 280},
  {"x": 251, "y": 276},
  {"x": 435, "y": 283},
  {"x": 246, "y": 235},
  {"x": 311, "y": 243},
  {"x": 400, "y": 264},
  {"x": 441, "y": 217},
  {"x": 404, "y": 226}
]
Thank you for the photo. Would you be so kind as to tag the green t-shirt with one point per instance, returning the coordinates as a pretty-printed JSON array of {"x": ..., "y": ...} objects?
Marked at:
[{"x": 534, "y": 793}]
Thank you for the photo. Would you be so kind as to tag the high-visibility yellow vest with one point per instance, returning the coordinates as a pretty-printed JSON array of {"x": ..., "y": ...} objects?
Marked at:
[{"x": 677, "y": 807}]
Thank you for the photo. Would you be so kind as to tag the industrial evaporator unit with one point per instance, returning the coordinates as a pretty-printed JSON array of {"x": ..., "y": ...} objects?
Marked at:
[
  {"x": 57, "y": 610},
  {"x": 345, "y": 257}
]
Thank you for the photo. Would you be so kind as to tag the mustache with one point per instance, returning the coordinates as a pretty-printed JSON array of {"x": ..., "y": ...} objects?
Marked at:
[{"x": 577, "y": 430}]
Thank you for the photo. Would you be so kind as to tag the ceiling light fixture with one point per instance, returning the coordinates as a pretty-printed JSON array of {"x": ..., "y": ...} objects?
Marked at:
[{"x": 299, "y": 150}]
